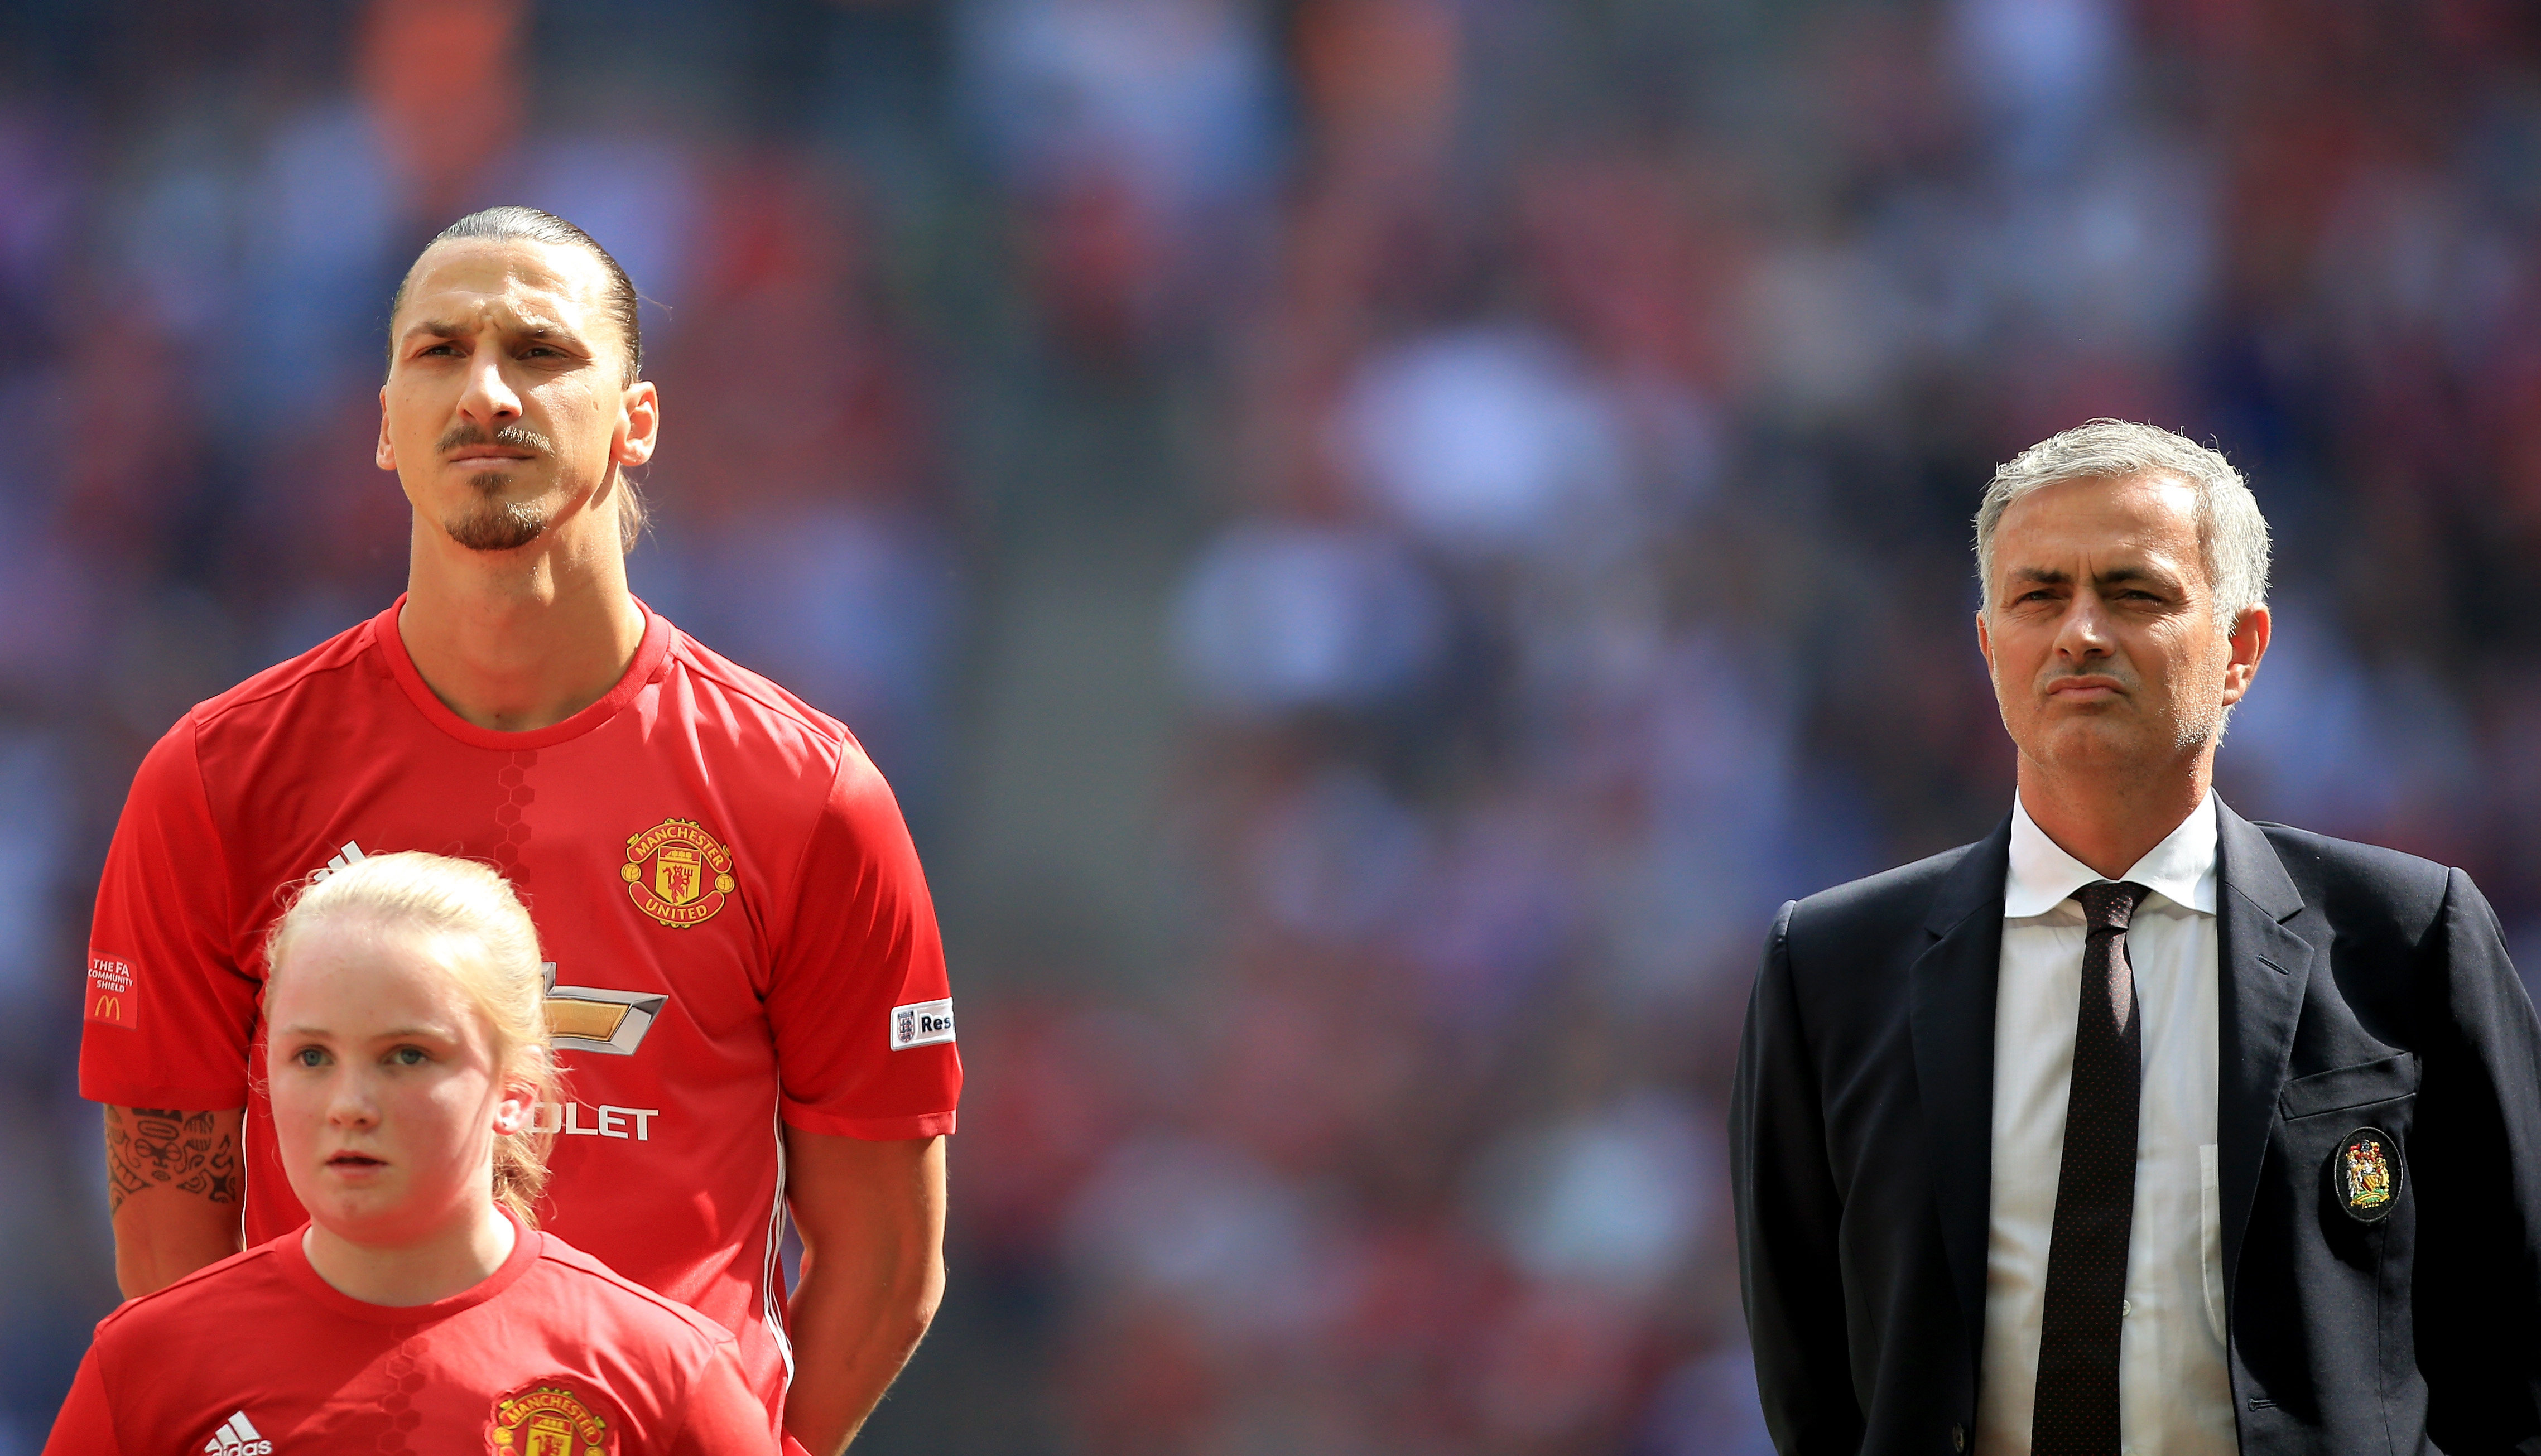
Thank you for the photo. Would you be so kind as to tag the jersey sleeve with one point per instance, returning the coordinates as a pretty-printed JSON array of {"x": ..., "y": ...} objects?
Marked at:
[
  {"x": 86, "y": 1424},
  {"x": 857, "y": 997},
  {"x": 169, "y": 1013}
]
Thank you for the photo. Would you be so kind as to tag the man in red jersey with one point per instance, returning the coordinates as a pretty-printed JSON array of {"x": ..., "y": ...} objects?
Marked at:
[{"x": 748, "y": 990}]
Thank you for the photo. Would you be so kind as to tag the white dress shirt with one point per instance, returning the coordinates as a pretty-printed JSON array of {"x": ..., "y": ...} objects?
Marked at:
[{"x": 2174, "y": 1393}]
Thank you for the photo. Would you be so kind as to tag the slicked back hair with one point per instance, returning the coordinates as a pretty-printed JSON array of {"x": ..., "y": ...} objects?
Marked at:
[
  {"x": 529, "y": 224},
  {"x": 2231, "y": 535},
  {"x": 515, "y": 223}
]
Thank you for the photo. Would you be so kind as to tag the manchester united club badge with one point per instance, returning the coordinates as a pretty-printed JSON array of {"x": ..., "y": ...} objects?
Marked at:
[
  {"x": 677, "y": 873},
  {"x": 2366, "y": 1174},
  {"x": 546, "y": 1417}
]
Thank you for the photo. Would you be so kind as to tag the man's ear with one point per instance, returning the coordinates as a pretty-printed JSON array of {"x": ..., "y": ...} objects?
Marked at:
[
  {"x": 642, "y": 412},
  {"x": 387, "y": 452},
  {"x": 2249, "y": 644}
]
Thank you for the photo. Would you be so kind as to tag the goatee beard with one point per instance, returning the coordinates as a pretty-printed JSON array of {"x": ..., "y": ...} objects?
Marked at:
[{"x": 498, "y": 525}]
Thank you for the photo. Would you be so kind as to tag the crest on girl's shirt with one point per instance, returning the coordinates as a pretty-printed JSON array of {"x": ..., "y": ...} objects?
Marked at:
[
  {"x": 546, "y": 1418},
  {"x": 677, "y": 873}
]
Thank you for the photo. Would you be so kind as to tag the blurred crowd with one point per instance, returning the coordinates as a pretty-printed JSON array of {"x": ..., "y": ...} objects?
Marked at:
[{"x": 1565, "y": 418}]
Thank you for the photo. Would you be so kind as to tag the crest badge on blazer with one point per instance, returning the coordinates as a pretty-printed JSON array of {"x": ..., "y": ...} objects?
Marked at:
[{"x": 2366, "y": 1175}]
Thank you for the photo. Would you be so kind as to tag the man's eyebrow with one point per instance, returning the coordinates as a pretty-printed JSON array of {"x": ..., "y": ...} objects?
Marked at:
[
  {"x": 552, "y": 332},
  {"x": 2042, "y": 575},
  {"x": 446, "y": 329}
]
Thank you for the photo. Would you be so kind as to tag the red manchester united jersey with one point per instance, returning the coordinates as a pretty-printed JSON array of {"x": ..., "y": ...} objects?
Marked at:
[
  {"x": 257, "y": 1355},
  {"x": 740, "y": 932}
]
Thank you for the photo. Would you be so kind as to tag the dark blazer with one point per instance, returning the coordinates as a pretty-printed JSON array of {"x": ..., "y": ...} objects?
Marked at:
[{"x": 2360, "y": 988}]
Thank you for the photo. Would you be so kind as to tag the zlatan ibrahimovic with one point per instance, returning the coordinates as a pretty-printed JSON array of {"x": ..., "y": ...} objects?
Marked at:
[{"x": 747, "y": 993}]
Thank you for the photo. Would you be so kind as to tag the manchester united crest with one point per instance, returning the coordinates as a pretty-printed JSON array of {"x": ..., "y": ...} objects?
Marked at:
[
  {"x": 677, "y": 873},
  {"x": 546, "y": 1417},
  {"x": 2367, "y": 1174}
]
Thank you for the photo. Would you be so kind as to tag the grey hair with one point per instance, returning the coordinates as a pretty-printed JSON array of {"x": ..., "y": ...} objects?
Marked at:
[{"x": 2231, "y": 535}]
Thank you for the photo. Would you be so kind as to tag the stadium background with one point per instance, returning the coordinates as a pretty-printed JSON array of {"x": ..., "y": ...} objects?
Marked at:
[{"x": 1377, "y": 539}]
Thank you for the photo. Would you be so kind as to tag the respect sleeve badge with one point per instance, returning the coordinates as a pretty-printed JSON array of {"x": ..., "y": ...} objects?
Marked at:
[{"x": 921, "y": 1024}]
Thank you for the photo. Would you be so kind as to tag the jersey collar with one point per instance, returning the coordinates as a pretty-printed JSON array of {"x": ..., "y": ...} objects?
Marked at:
[
  {"x": 652, "y": 659},
  {"x": 527, "y": 1244}
]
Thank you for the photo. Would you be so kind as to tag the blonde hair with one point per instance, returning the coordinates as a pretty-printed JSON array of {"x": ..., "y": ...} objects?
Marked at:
[{"x": 505, "y": 979}]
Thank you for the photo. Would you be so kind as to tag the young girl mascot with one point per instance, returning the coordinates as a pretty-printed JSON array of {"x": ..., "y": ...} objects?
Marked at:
[{"x": 420, "y": 1310}]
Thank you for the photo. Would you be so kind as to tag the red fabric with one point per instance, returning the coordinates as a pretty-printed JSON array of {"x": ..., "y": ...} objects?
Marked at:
[
  {"x": 86, "y": 1424},
  {"x": 260, "y": 1336},
  {"x": 780, "y": 994}
]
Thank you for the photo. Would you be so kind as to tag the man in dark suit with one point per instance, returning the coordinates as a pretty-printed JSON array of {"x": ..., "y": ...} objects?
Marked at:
[{"x": 2136, "y": 1126}]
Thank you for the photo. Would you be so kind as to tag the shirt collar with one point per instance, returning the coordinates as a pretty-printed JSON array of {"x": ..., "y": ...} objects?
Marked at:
[{"x": 2180, "y": 869}]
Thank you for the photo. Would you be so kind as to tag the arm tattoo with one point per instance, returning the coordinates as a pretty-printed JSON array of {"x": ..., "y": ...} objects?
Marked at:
[{"x": 147, "y": 1147}]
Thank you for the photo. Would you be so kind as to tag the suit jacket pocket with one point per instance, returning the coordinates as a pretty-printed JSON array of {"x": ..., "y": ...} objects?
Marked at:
[{"x": 2343, "y": 1088}]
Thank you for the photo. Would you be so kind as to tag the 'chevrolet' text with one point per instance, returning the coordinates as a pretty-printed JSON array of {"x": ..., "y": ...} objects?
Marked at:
[{"x": 581, "y": 1120}]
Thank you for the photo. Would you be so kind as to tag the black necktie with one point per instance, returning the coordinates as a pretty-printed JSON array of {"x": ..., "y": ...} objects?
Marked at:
[{"x": 2076, "y": 1410}]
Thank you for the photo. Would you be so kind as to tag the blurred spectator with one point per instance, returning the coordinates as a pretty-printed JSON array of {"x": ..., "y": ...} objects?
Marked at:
[
  {"x": 1283, "y": 617},
  {"x": 1487, "y": 441},
  {"x": 1137, "y": 138},
  {"x": 444, "y": 88}
]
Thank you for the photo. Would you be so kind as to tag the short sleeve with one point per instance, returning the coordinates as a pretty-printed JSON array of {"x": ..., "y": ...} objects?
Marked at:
[
  {"x": 86, "y": 1424},
  {"x": 169, "y": 1015},
  {"x": 723, "y": 1418},
  {"x": 858, "y": 996}
]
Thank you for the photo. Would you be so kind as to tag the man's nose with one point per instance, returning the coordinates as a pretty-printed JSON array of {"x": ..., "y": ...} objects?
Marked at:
[
  {"x": 2085, "y": 630},
  {"x": 489, "y": 399}
]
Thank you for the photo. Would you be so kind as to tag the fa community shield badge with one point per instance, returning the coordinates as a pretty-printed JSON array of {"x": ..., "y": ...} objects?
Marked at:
[
  {"x": 677, "y": 873},
  {"x": 2366, "y": 1174},
  {"x": 546, "y": 1417}
]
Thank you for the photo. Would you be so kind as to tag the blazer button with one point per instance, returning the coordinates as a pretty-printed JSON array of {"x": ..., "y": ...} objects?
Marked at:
[{"x": 1958, "y": 1437}]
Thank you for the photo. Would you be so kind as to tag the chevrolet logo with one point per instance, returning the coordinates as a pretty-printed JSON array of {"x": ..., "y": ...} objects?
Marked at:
[{"x": 584, "y": 1018}]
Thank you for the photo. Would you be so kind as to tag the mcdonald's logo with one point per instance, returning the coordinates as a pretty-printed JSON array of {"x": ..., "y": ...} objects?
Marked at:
[{"x": 109, "y": 992}]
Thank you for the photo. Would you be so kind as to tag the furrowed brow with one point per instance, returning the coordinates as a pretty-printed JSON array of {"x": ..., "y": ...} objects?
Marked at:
[
  {"x": 555, "y": 334},
  {"x": 2137, "y": 576}
]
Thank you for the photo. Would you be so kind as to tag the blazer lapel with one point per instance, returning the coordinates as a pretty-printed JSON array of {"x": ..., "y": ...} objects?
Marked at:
[
  {"x": 2264, "y": 968},
  {"x": 1951, "y": 1011}
]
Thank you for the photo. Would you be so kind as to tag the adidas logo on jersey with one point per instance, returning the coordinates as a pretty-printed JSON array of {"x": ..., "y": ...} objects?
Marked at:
[
  {"x": 345, "y": 858},
  {"x": 238, "y": 1435}
]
